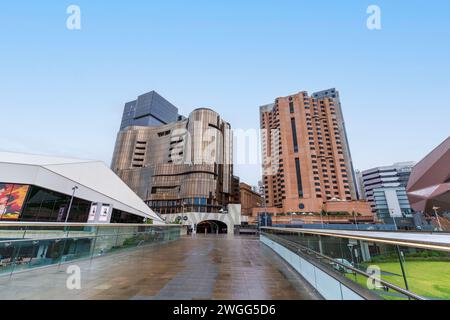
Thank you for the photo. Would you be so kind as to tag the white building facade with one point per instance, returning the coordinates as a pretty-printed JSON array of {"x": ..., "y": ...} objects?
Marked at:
[{"x": 51, "y": 189}]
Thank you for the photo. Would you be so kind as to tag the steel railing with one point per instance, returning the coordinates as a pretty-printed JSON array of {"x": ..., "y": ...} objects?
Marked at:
[{"x": 298, "y": 248}]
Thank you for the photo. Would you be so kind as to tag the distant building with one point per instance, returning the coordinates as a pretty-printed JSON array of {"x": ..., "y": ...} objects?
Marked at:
[
  {"x": 149, "y": 109},
  {"x": 385, "y": 189},
  {"x": 391, "y": 203},
  {"x": 249, "y": 199},
  {"x": 360, "y": 185},
  {"x": 235, "y": 190},
  {"x": 261, "y": 188},
  {"x": 307, "y": 162},
  {"x": 182, "y": 166},
  {"x": 429, "y": 184}
]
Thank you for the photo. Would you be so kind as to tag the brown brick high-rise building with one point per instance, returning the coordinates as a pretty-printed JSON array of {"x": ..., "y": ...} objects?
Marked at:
[{"x": 307, "y": 161}]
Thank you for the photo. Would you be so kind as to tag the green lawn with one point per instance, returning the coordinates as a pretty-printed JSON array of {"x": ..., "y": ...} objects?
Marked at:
[
  {"x": 430, "y": 279},
  {"x": 426, "y": 278}
]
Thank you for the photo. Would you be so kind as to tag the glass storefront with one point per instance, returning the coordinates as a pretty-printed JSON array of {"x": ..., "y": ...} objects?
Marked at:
[
  {"x": 119, "y": 216},
  {"x": 35, "y": 204},
  {"x": 50, "y": 206}
]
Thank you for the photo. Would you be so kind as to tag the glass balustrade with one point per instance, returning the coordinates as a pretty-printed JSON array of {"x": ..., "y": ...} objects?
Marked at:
[
  {"x": 26, "y": 246},
  {"x": 391, "y": 271}
]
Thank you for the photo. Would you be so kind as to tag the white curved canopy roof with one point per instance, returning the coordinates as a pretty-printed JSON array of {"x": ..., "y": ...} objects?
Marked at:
[{"x": 95, "y": 181}]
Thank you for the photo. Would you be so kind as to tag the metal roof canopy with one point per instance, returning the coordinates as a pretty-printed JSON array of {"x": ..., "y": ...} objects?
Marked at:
[{"x": 95, "y": 181}]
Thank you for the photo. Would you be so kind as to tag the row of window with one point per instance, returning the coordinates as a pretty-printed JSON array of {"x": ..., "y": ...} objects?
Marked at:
[{"x": 178, "y": 202}]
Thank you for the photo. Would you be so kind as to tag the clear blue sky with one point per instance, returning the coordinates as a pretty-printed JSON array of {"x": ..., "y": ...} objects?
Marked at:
[{"x": 62, "y": 92}]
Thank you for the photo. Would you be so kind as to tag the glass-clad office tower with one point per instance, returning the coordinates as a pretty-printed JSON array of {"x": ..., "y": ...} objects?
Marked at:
[{"x": 149, "y": 109}]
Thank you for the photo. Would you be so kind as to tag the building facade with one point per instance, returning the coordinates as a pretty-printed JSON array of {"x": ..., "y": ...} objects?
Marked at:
[
  {"x": 360, "y": 185},
  {"x": 391, "y": 203},
  {"x": 249, "y": 199},
  {"x": 307, "y": 164},
  {"x": 235, "y": 190},
  {"x": 429, "y": 184},
  {"x": 149, "y": 109},
  {"x": 385, "y": 190},
  {"x": 37, "y": 188},
  {"x": 183, "y": 166}
]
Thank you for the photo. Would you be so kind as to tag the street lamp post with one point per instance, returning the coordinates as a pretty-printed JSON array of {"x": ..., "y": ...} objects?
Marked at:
[
  {"x": 321, "y": 219},
  {"x": 65, "y": 227},
  {"x": 265, "y": 210},
  {"x": 354, "y": 217},
  {"x": 393, "y": 218},
  {"x": 437, "y": 217},
  {"x": 70, "y": 204},
  {"x": 350, "y": 247}
]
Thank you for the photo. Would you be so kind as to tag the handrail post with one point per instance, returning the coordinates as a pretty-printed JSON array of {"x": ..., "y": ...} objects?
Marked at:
[{"x": 402, "y": 267}]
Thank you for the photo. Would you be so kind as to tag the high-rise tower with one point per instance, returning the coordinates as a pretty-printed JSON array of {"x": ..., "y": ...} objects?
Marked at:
[
  {"x": 149, "y": 109},
  {"x": 307, "y": 160},
  {"x": 182, "y": 166}
]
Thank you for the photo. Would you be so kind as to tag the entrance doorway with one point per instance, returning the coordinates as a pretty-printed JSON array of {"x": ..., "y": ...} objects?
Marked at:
[{"x": 211, "y": 226}]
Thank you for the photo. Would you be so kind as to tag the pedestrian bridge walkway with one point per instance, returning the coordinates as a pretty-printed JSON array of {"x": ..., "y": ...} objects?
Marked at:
[
  {"x": 146, "y": 262},
  {"x": 193, "y": 267}
]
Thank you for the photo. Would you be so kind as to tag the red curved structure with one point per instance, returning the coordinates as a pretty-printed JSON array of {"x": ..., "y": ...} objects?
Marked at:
[{"x": 429, "y": 183}]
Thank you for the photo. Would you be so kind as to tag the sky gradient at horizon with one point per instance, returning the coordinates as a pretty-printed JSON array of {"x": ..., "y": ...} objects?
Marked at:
[{"x": 62, "y": 91}]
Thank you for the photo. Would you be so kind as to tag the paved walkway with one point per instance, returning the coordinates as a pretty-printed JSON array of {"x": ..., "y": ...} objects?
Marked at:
[{"x": 203, "y": 267}]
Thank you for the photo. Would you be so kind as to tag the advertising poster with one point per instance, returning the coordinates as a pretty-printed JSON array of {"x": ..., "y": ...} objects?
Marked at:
[
  {"x": 93, "y": 212},
  {"x": 104, "y": 213},
  {"x": 12, "y": 198},
  {"x": 61, "y": 214}
]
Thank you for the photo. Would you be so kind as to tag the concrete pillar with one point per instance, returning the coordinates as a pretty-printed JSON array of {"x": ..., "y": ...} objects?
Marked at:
[{"x": 230, "y": 228}]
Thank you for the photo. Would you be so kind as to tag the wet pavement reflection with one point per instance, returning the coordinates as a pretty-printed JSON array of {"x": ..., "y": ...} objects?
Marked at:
[{"x": 194, "y": 267}]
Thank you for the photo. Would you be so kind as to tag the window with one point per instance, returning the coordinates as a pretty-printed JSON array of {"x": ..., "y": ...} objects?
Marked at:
[
  {"x": 299, "y": 178},
  {"x": 162, "y": 134},
  {"x": 291, "y": 107},
  {"x": 46, "y": 205},
  {"x": 119, "y": 216},
  {"x": 294, "y": 134}
]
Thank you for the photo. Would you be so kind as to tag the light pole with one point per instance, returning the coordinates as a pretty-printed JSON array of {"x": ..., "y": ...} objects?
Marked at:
[
  {"x": 321, "y": 219},
  {"x": 393, "y": 218},
  {"x": 71, "y": 201},
  {"x": 354, "y": 217},
  {"x": 265, "y": 207},
  {"x": 437, "y": 217},
  {"x": 350, "y": 247}
]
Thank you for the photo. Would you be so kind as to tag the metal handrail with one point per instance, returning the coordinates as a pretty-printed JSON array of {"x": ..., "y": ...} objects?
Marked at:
[
  {"x": 365, "y": 274},
  {"x": 79, "y": 224},
  {"x": 438, "y": 232},
  {"x": 68, "y": 236},
  {"x": 370, "y": 238}
]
